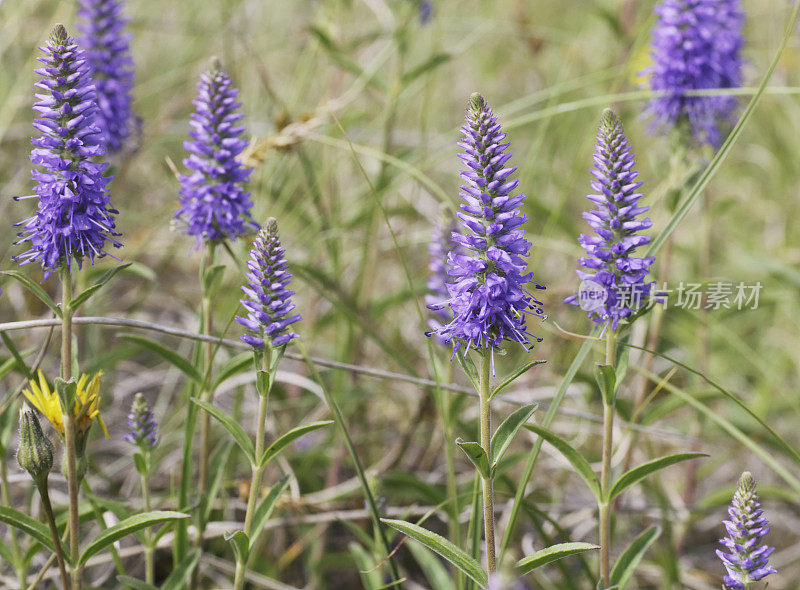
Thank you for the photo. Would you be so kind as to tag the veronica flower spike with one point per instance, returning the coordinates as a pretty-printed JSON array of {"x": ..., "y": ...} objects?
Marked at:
[
  {"x": 613, "y": 285},
  {"x": 696, "y": 45},
  {"x": 74, "y": 219},
  {"x": 107, "y": 45},
  {"x": 486, "y": 293},
  {"x": 214, "y": 204},
  {"x": 746, "y": 559},
  {"x": 268, "y": 299}
]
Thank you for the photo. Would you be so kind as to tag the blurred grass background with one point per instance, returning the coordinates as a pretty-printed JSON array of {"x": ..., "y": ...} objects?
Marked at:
[{"x": 398, "y": 87}]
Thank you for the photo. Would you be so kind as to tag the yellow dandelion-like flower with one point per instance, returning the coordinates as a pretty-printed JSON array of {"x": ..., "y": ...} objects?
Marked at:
[{"x": 87, "y": 403}]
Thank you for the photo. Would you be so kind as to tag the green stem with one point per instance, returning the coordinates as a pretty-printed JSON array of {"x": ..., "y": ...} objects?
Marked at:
[
  {"x": 69, "y": 426},
  {"x": 486, "y": 437},
  {"x": 605, "y": 476},
  {"x": 51, "y": 520},
  {"x": 207, "y": 394},
  {"x": 149, "y": 549},
  {"x": 257, "y": 470}
]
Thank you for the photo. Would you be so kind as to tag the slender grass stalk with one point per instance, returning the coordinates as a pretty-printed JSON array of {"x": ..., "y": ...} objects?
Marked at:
[
  {"x": 257, "y": 469},
  {"x": 362, "y": 477},
  {"x": 51, "y": 521},
  {"x": 605, "y": 475},
  {"x": 69, "y": 427},
  {"x": 486, "y": 437}
]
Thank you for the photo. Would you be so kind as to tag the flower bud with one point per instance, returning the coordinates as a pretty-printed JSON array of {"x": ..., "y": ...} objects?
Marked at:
[{"x": 35, "y": 454}]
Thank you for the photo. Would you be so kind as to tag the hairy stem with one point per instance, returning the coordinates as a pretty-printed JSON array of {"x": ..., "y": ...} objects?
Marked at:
[
  {"x": 486, "y": 437},
  {"x": 149, "y": 549},
  {"x": 605, "y": 476},
  {"x": 51, "y": 521},
  {"x": 69, "y": 426}
]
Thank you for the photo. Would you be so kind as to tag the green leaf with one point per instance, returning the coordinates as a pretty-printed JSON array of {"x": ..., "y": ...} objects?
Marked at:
[
  {"x": 65, "y": 390},
  {"x": 505, "y": 433},
  {"x": 140, "y": 463},
  {"x": 134, "y": 583},
  {"x": 240, "y": 544},
  {"x": 437, "y": 575},
  {"x": 31, "y": 527},
  {"x": 127, "y": 527},
  {"x": 216, "y": 467},
  {"x": 371, "y": 577},
  {"x": 552, "y": 553},
  {"x": 433, "y": 62},
  {"x": 443, "y": 547},
  {"x": 168, "y": 355},
  {"x": 470, "y": 370},
  {"x": 212, "y": 279},
  {"x": 639, "y": 473},
  {"x": 80, "y": 299},
  {"x": 607, "y": 381},
  {"x": 509, "y": 379},
  {"x": 629, "y": 560},
  {"x": 238, "y": 364},
  {"x": 177, "y": 579},
  {"x": 295, "y": 433},
  {"x": 34, "y": 288},
  {"x": 236, "y": 431},
  {"x": 265, "y": 508},
  {"x": 577, "y": 461},
  {"x": 477, "y": 455},
  {"x": 18, "y": 360}
]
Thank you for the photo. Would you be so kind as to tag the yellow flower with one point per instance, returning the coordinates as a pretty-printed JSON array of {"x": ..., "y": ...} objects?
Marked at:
[{"x": 87, "y": 403}]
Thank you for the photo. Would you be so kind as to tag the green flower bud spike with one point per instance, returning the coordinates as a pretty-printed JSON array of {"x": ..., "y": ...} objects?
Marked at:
[{"x": 35, "y": 454}]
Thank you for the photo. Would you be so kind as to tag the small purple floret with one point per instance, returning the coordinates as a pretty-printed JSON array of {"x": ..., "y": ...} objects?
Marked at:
[
  {"x": 486, "y": 293},
  {"x": 142, "y": 424},
  {"x": 74, "y": 219},
  {"x": 747, "y": 560},
  {"x": 268, "y": 299},
  {"x": 108, "y": 52},
  {"x": 214, "y": 205},
  {"x": 696, "y": 45},
  {"x": 439, "y": 248},
  {"x": 617, "y": 228}
]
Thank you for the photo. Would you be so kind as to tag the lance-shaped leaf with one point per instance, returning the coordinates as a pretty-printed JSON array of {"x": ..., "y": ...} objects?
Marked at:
[
  {"x": 177, "y": 579},
  {"x": 172, "y": 357},
  {"x": 288, "y": 438},
  {"x": 629, "y": 560},
  {"x": 31, "y": 527},
  {"x": 476, "y": 455},
  {"x": 265, "y": 508},
  {"x": 216, "y": 470},
  {"x": 639, "y": 473},
  {"x": 127, "y": 527},
  {"x": 552, "y": 553},
  {"x": 607, "y": 381},
  {"x": 509, "y": 379},
  {"x": 240, "y": 544},
  {"x": 236, "y": 431},
  {"x": 443, "y": 547},
  {"x": 505, "y": 433},
  {"x": 470, "y": 370},
  {"x": 577, "y": 460},
  {"x": 34, "y": 288},
  {"x": 81, "y": 298}
]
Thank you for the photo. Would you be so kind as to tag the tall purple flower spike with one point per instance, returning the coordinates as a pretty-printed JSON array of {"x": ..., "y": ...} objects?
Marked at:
[
  {"x": 613, "y": 270},
  {"x": 439, "y": 248},
  {"x": 696, "y": 45},
  {"x": 214, "y": 205},
  {"x": 108, "y": 51},
  {"x": 748, "y": 560},
  {"x": 486, "y": 294},
  {"x": 142, "y": 424},
  {"x": 74, "y": 219},
  {"x": 268, "y": 300}
]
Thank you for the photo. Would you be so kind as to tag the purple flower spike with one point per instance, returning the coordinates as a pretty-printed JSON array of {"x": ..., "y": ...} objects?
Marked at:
[
  {"x": 109, "y": 56},
  {"x": 214, "y": 205},
  {"x": 74, "y": 219},
  {"x": 748, "y": 558},
  {"x": 696, "y": 45},
  {"x": 486, "y": 296},
  {"x": 268, "y": 299},
  {"x": 439, "y": 248},
  {"x": 613, "y": 271},
  {"x": 142, "y": 424}
]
